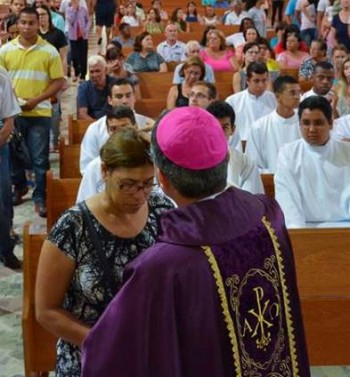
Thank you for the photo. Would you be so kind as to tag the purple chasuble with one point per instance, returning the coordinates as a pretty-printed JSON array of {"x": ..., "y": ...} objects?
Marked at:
[{"x": 216, "y": 296}]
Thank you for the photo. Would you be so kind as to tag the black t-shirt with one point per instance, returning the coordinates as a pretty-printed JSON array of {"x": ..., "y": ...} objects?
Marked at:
[{"x": 55, "y": 37}]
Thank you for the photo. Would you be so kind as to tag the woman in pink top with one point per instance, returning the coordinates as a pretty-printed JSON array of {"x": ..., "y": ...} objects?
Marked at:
[
  {"x": 216, "y": 54},
  {"x": 292, "y": 57}
]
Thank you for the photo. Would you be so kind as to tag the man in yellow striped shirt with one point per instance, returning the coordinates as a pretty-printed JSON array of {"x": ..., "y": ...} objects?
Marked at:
[{"x": 36, "y": 72}]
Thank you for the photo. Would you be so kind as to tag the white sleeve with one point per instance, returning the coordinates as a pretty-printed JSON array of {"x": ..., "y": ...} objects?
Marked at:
[
  {"x": 287, "y": 193},
  {"x": 176, "y": 77},
  {"x": 298, "y": 5},
  {"x": 250, "y": 177},
  {"x": 322, "y": 5},
  {"x": 8, "y": 106},
  {"x": 90, "y": 182},
  {"x": 89, "y": 148},
  {"x": 253, "y": 147}
]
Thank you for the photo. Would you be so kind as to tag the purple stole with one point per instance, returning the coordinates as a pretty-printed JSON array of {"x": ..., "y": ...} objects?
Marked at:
[{"x": 251, "y": 275}]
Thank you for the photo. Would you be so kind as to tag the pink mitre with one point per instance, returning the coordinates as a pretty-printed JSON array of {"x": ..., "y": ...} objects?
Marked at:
[{"x": 192, "y": 138}]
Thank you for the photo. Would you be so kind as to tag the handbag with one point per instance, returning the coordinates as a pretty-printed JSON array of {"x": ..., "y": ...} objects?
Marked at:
[{"x": 20, "y": 156}]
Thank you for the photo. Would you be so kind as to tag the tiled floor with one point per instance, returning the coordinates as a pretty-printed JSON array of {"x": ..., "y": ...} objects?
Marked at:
[{"x": 11, "y": 348}]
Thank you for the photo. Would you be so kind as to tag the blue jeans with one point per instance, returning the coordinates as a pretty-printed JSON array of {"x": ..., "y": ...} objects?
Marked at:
[
  {"x": 36, "y": 132},
  {"x": 6, "y": 211},
  {"x": 308, "y": 35}
]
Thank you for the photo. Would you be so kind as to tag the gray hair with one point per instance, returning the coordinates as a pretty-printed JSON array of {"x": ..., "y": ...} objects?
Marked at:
[
  {"x": 97, "y": 59},
  {"x": 190, "y": 45}
]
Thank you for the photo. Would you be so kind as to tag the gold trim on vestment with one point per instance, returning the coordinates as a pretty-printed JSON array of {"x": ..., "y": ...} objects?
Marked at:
[
  {"x": 286, "y": 300},
  {"x": 225, "y": 308}
]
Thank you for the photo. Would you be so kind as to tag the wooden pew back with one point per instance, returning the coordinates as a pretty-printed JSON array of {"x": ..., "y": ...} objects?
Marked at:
[
  {"x": 151, "y": 107},
  {"x": 77, "y": 129},
  {"x": 322, "y": 258},
  {"x": 39, "y": 345},
  {"x": 155, "y": 85},
  {"x": 69, "y": 160},
  {"x": 269, "y": 185},
  {"x": 61, "y": 194}
]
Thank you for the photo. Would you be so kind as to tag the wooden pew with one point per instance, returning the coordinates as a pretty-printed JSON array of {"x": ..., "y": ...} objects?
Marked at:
[
  {"x": 155, "y": 84},
  {"x": 269, "y": 185},
  {"x": 38, "y": 344},
  {"x": 223, "y": 83},
  {"x": 69, "y": 160},
  {"x": 322, "y": 258},
  {"x": 152, "y": 107},
  {"x": 60, "y": 195},
  {"x": 76, "y": 129}
]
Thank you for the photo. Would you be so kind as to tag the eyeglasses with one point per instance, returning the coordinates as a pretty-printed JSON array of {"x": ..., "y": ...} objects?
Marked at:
[
  {"x": 133, "y": 188},
  {"x": 42, "y": 14},
  {"x": 197, "y": 95},
  {"x": 253, "y": 52}
]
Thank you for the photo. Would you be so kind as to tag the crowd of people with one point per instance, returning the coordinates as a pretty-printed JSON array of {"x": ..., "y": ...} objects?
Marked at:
[{"x": 186, "y": 186}]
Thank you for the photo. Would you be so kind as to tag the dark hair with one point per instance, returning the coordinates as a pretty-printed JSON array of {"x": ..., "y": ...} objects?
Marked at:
[
  {"x": 10, "y": 20},
  {"x": 250, "y": 4},
  {"x": 138, "y": 40},
  {"x": 251, "y": 27},
  {"x": 280, "y": 26},
  {"x": 190, "y": 62},
  {"x": 118, "y": 112},
  {"x": 191, "y": 3},
  {"x": 47, "y": 10},
  {"x": 241, "y": 26},
  {"x": 126, "y": 148},
  {"x": 249, "y": 45},
  {"x": 122, "y": 26},
  {"x": 256, "y": 67},
  {"x": 115, "y": 44},
  {"x": 316, "y": 103},
  {"x": 265, "y": 42},
  {"x": 113, "y": 53},
  {"x": 322, "y": 44},
  {"x": 290, "y": 30},
  {"x": 174, "y": 19},
  {"x": 323, "y": 65},
  {"x": 194, "y": 184},
  {"x": 212, "y": 91},
  {"x": 119, "y": 82},
  {"x": 221, "y": 109},
  {"x": 156, "y": 11},
  {"x": 280, "y": 83},
  {"x": 203, "y": 41},
  {"x": 29, "y": 10}
]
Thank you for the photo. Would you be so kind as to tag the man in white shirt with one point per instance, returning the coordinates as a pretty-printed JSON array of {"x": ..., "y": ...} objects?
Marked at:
[
  {"x": 313, "y": 173},
  {"x": 120, "y": 92},
  {"x": 171, "y": 49},
  {"x": 117, "y": 118},
  {"x": 280, "y": 127},
  {"x": 236, "y": 15},
  {"x": 252, "y": 103},
  {"x": 322, "y": 82},
  {"x": 241, "y": 170}
]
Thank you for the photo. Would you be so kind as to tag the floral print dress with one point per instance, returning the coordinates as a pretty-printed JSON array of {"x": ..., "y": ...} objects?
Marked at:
[{"x": 86, "y": 295}]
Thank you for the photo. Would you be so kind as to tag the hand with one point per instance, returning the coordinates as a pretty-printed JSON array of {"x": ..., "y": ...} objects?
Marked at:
[{"x": 30, "y": 104}]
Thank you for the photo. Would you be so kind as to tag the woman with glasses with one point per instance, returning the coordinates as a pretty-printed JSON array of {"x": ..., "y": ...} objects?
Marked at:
[
  {"x": 82, "y": 261},
  {"x": 193, "y": 70},
  {"x": 251, "y": 53}
]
